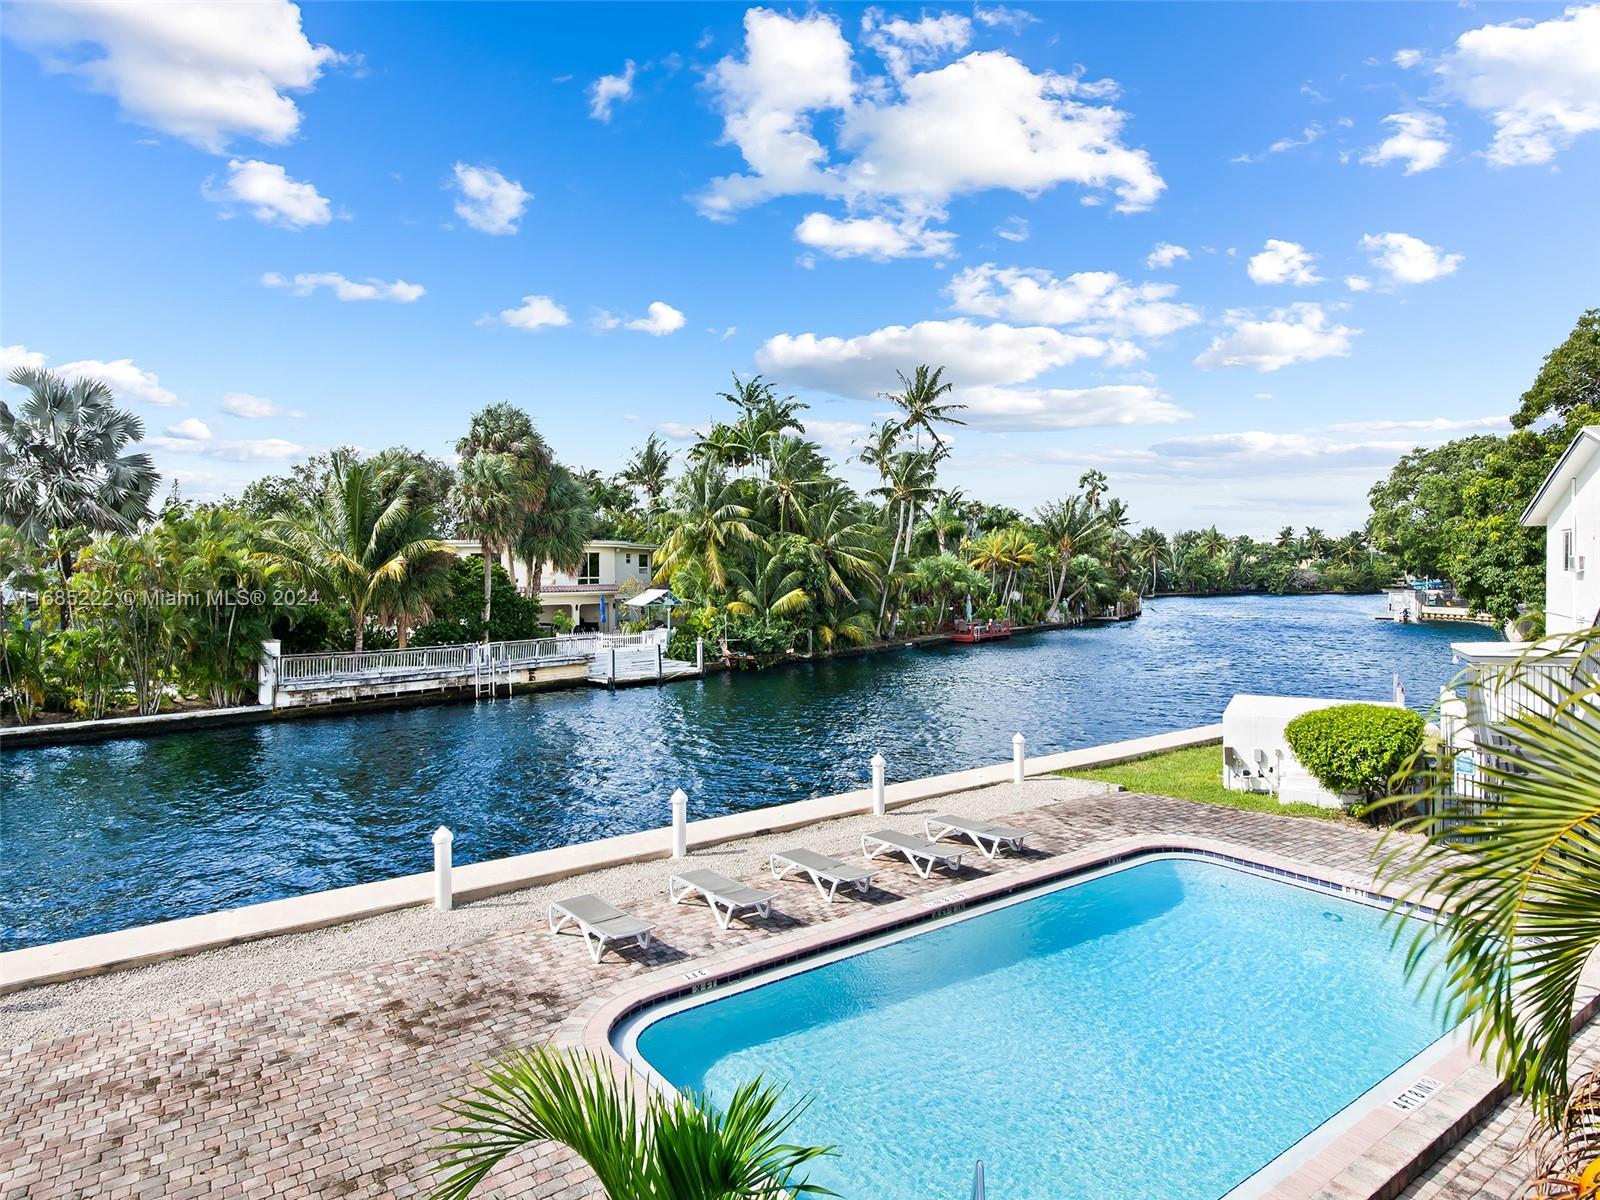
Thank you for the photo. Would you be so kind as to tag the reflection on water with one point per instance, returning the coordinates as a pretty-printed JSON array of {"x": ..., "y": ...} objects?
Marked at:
[{"x": 122, "y": 833}]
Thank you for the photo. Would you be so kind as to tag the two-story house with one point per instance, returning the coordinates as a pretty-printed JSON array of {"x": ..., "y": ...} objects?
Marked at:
[
  {"x": 1504, "y": 678},
  {"x": 589, "y": 594}
]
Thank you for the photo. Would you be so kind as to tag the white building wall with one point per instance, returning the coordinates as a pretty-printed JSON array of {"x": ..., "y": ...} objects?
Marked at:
[{"x": 1572, "y": 595}]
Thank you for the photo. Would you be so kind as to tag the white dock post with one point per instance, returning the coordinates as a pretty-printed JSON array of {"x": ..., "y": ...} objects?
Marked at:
[
  {"x": 613, "y": 668},
  {"x": 700, "y": 655},
  {"x": 1017, "y": 758},
  {"x": 878, "y": 806},
  {"x": 658, "y": 662},
  {"x": 680, "y": 824},
  {"x": 442, "y": 838}
]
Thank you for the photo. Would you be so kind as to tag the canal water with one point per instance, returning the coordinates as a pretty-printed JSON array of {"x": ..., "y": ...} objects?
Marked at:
[{"x": 102, "y": 837}]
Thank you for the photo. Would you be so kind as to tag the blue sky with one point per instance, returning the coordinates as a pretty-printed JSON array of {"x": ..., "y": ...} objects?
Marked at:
[{"x": 276, "y": 229}]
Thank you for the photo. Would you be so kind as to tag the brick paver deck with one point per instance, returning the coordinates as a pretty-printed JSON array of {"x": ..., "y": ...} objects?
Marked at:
[{"x": 330, "y": 1087}]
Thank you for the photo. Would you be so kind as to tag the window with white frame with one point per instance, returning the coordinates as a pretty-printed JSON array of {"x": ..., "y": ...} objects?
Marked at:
[
  {"x": 644, "y": 564},
  {"x": 590, "y": 571},
  {"x": 1568, "y": 556}
]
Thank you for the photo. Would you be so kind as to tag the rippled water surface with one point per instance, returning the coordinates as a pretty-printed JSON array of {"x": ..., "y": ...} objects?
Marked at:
[{"x": 105, "y": 836}]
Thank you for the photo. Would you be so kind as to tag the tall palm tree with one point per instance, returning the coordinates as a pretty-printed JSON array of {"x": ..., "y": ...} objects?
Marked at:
[
  {"x": 679, "y": 1147},
  {"x": 945, "y": 522},
  {"x": 359, "y": 542},
  {"x": 1285, "y": 539},
  {"x": 1094, "y": 484},
  {"x": 768, "y": 588},
  {"x": 843, "y": 543},
  {"x": 62, "y": 464},
  {"x": 909, "y": 478},
  {"x": 795, "y": 473},
  {"x": 707, "y": 521},
  {"x": 1074, "y": 527},
  {"x": 1149, "y": 549},
  {"x": 921, "y": 398},
  {"x": 1516, "y": 873},
  {"x": 1314, "y": 543},
  {"x": 1213, "y": 542},
  {"x": 556, "y": 532},
  {"x": 489, "y": 507},
  {"x": 648, "y": 469},
  {"x": 506, "y": 430}
]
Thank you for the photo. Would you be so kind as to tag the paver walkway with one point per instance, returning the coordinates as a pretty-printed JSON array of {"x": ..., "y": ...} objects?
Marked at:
[{"x": 329, "y": 1087}]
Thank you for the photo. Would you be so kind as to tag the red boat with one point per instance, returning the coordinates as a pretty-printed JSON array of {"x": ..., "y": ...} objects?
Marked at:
[{"x": 978, "y": 631}]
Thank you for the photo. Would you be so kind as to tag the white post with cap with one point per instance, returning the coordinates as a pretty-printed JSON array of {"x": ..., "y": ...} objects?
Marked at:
[
  {"x": 1017, "y": 757},
  {"x": 442, "y": 838},
  {"x": 680, "y": 824},
  {"x": 878, "y": 765}
]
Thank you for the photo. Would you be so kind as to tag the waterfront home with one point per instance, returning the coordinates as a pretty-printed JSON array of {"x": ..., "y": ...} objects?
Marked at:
[
  {"x": 1504, "y": 678},
  {"x": 588, "y": 595}
]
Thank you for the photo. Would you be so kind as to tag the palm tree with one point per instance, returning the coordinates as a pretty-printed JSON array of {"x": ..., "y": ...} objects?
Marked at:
[
  {"x": 707, "y": 521},
  {"x": 506, "y": 430},
  {"x": 1149, "y": 549},
  {"x": 771, "y": 588},
  {"x": 1094, "y": 484},
  {"x": 944, "y": 522},
  {"x": 795, "y": 471},
  {"x": 61, "y": 459},
  {"x": 1515, "y": 872},
  {"x": 1285, "y": 539},
  {"x": 1073, "y": 527},
  {"x": 648, "y": 469},
  {"x": 489, "y": 507},
  {"x": 1314, "y": 543},
  {"x": 843, "y": 543},
  {"x": 558, "y": 531},
  {"x": 679, "y": 1147},
  {"x": 909, "y": 478},
  {"x": 1213, "y": 542},
  {"x": 920, "y": 398},
  {"x": 359, "y": 541}
]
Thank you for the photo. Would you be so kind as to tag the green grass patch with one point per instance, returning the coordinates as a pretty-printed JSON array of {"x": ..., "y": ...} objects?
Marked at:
[{"x": 1196, "y": 774}]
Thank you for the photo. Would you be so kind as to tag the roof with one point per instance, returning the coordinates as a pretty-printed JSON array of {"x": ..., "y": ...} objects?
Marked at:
[
  {"x": 1574, "y": 459},
  {"x": 647, "y": 597},
  {"x": 616, "y": 545}
]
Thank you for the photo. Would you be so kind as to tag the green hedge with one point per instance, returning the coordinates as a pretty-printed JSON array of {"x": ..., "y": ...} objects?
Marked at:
[{"x": 1355, "y": 747}]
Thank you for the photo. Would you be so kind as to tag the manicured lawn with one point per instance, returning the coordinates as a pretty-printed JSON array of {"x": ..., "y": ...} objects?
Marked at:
[{"x": 1196, "y": 774}]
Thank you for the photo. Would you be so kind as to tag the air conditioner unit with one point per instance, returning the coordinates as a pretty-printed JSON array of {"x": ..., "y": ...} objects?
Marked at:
[{"x": 1580, "y": 564}]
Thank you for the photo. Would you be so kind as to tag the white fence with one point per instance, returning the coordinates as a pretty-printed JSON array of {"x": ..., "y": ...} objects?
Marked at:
[{"x": 468, "y": 659}]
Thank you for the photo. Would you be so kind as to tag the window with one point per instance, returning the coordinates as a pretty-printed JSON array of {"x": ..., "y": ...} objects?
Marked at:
[
  {"x": 644, "y": 564},
  {"x": 590, "y": 571},
  {"x": 1568, "y": 560}
]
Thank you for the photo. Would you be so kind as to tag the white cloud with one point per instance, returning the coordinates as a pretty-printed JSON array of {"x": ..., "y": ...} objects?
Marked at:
[
  {"x": 1299, "y": 333},
  {"x": 488, "y": 201},
  {"x": 1256, "y": 450},
  {"x": 662, "y": 320},
  {"x": 1098, "y": 301},
  {"x": 877, "y": 238},
  {"x": 14, "y": 357},
  {"x": 998, "y": 16},
  {"x": 678, "y": 431},
  {"x": 1420, "y": 140},
  {"x": 610, "y": 90},
  {"x": 200, "y": 71},
  {"x": 1358, "y": 283},
  {"x": 245, "y": 450},
  {"x": 1013, "y": 229},
  {"x": 534, "y": 313},
  {"x": 1017, "y": 410},
  {"x": 1284, "y": 262},
  {"x": 307, "y": 282},
  {"x": 1407, "y": 259},
  {"x": 973, "y": 354},
  {"x": 1424, "y": 425},
  {"x": 271, "y": 196},
  {"x": 127, "y": 381},
  {"x": 1538, "y": 83},
  {"x": 254, "y": 408},
  {"x": 190, "y": 427},
  {"x": 904, "y": 44},
  {"x": 1310, "y": 134},
  {"x": 909, "y": 144},
  {"x": 1406, "y": 59},
  {"x": 1164, "y": 255},
  {"x": 838, "y": 436}
]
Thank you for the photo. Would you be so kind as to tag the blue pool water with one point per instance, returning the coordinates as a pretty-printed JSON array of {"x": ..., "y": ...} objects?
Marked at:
[
  {"x": 123, "y": 833},
  {"x": 1163, "y": 1032}
]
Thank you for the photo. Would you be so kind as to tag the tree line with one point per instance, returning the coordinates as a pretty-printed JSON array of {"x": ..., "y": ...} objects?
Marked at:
[{"x": 111, "y": 602}]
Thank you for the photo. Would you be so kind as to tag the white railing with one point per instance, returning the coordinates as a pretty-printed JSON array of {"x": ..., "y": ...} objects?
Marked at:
[
  {"x": 303, "y": 668},
  {"x": 466, "y": 659},
  {"x": 620, "y": 641},
  {"x": 1499, "y": 689}
]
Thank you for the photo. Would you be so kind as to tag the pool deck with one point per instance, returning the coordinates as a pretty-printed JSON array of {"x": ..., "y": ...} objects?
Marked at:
[{"x": 327, "y": 1082}]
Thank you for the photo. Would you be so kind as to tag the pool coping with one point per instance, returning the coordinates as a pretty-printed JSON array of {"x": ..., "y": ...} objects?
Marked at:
[
  {"x": 1383, "y": 1144},
  {"x": 123, "y": 949}
]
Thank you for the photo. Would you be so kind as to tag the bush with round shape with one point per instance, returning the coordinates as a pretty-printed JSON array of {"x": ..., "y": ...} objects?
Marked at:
[{"x": 1355, "y": 748}]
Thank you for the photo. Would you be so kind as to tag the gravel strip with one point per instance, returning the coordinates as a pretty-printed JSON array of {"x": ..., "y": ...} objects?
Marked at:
[{"x": 47, "y": 1012}]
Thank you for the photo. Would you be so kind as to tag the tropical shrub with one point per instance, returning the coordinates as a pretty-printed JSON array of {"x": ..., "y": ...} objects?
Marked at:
[
  {"x": 1355, "y": 748},
  {"x": 458, "y": 617}
]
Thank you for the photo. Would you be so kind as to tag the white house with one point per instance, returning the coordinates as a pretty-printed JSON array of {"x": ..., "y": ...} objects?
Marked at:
[
  {"x": 1567, "y": 505},
  {"x": 588, "y": 595}
]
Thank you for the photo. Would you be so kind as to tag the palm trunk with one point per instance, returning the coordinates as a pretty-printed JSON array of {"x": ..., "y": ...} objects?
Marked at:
[
  {"x": 488, "y": 585},
  {"x": 361, "y": 626},
  {"x": 888, "y": 578}
]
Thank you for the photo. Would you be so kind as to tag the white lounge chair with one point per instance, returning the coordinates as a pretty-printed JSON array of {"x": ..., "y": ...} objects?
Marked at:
[
  {"x": 924, "y": 856},
  {"x": 822, "y": 870},
  {"x": 725, "y": 896},
  {"x": 600, "y": 923},
  {"x": 989, "y": 839}
]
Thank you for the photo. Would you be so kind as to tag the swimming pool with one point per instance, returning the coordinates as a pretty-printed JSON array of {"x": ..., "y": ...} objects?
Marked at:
[{"x": 1165, "y": 1030}]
